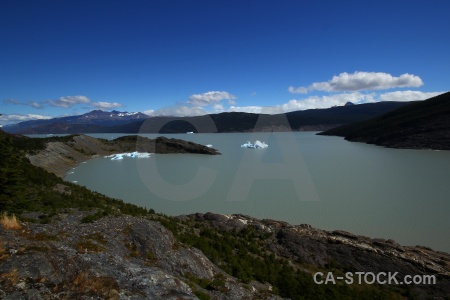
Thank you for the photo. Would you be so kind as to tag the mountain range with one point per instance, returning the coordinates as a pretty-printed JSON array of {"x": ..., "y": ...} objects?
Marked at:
[{"x": 98, "y": 121}]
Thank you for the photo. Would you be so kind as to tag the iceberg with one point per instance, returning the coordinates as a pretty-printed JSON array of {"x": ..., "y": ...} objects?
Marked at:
[
  {"x": 257, "y": 145},
  {"x": 135, "y": 154}
]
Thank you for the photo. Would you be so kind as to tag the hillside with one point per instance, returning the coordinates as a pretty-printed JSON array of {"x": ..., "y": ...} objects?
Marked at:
[
  {"x": 418, "y": 125},
  {"x": 105, "y": 122},
  {"x": 72, "y": 243}
]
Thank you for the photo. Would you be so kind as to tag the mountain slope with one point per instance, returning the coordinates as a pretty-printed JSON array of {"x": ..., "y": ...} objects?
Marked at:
[{"x": 418, "y": 125}]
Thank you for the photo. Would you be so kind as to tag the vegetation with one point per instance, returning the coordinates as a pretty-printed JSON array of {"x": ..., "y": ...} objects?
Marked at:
[
  {"x": 9, "y": 222},
  {"x": 26, "y": 187},
  {"x": 242, "y": 254}
]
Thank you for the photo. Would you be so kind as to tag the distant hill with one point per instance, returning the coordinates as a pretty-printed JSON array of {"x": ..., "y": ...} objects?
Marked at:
[
  {"x": 418, "y": 125},
  {"x": 119, "y": 122}
]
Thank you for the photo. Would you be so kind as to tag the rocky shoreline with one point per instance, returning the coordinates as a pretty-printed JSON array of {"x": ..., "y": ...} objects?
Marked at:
[{"x": 123, "y": 257}]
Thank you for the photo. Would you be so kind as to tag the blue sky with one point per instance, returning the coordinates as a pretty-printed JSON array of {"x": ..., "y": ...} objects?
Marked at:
[{"x": 181, "y": 57}]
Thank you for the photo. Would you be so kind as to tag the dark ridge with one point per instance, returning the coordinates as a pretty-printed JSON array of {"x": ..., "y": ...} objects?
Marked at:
[{"x": 418, "y": 125}]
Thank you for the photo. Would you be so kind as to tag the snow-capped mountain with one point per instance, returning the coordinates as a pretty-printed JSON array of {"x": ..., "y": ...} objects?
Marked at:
[{"x": 91, "y": 121}]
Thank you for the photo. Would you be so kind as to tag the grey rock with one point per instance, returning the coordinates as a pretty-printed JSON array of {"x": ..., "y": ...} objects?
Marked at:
[{"x": 113, "y": 258}]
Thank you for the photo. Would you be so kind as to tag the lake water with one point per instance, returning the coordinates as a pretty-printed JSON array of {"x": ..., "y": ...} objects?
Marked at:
[{"x": 326, "y": 182}]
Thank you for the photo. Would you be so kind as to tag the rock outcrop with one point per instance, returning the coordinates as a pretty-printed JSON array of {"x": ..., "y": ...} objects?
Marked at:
[
  {"x": 114, "y": 258},
  {"x": 325, "y": 249}
]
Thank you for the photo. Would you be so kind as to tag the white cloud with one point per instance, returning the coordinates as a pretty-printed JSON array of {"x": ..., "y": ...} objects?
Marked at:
[
  {"x": 218, "y": 107},
  {"x": 299, "y": 90},
  {"x": 211, "y": 98},
  {"x": 327, "y": 101},
  {"x": 178, "y": 111},
  {"x": 359, "y": 81},
  {"x": 65, "y": 102},
  {"x": 69, "y": 101},
  {"x": 149, "y": 112},
  {"x": 312, "y": 102},
  {"x": 16, "y": 118},
  {"x": 18, "y": 102},
  {"x": 247, "y": 109},
  {"x": 408, "y": 95},
  {"x": 105, "y": 105}
]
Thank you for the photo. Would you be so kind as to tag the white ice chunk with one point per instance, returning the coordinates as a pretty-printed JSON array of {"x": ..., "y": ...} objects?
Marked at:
[
  {"x": 129, "y": 154},
  {"x": 209, "y": 145},
  {"x": 257, "y": 145}
]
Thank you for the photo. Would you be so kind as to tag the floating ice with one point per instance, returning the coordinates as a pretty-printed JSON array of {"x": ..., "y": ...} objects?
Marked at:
[
  {"x": 256, "y": 145},
  {"x": 135, "y": 154},
  {"x": 209, "y": 145}
]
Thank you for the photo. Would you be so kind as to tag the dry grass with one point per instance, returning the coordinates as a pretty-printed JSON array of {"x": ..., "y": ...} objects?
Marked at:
[
  {"x": 12, "y": 276},
  {"x": 88, "y": 246},
  {"x": 102, "y": 286},
  {"x": 10, "y": 222},
  {"x": 3, "y": 252}
]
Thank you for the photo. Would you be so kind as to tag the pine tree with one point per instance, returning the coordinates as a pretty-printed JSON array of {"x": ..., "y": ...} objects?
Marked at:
[{"x": 11, "y": 180}]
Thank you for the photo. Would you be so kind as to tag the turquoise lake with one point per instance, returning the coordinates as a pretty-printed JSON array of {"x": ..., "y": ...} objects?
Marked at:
[{"x": 326, "y": 182}]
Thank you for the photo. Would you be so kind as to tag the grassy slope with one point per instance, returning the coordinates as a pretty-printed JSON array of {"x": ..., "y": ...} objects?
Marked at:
[{"x": 424, "y": 124}]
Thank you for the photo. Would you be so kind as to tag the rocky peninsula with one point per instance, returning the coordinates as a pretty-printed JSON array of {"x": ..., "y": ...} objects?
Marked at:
[{"x": 58, "y": 157}]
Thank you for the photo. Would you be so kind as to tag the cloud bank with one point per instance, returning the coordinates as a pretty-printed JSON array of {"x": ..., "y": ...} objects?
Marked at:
[
  {"x": 360, "y": 81},
  {"x": 210, "y": 98},
  {"x": 65, "y": 102},
  {"x": 16, "y": 118},
  {"x": 408, "y": 95},
  {"x": 213, "y": 103}
]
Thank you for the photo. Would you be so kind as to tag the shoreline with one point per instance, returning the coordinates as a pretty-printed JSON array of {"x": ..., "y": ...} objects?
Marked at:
[{"x": 60, "y": 157}]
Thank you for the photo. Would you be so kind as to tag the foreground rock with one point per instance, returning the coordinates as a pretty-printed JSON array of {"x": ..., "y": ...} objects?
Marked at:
[
  {"x": 126, "y": 257},
  {"x": 114, "y": 258},
  {"x": 324, "y": 249},
  {"x": 60, "y": 157}
]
